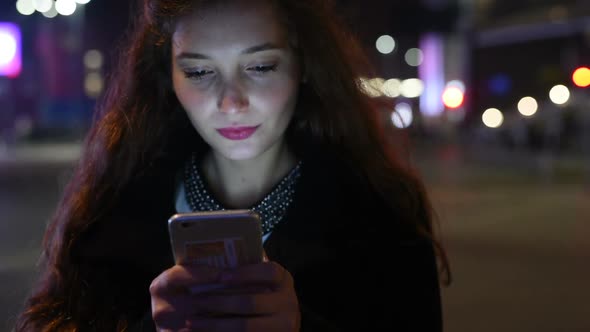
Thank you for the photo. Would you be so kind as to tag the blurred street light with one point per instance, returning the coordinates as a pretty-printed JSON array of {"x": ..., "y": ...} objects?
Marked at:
[
  {"x": 42, "y": 6},
  {"x": 559, "y": 94},
  {"x": 414, "y": 57},
  {"x": 402, "y": 117},
  {"x": 385, "y": 44},
  {"x": 65, "y": 7},
  {"x": 581, "y": 77},
  {"x": 25, "y": 7},
  {"x": 452, "y": 97},
  {"x": 492, "y": 118},
  {"x": 372, "y": 87},
  {"x": 93, "y": 59},
  {"x": 412, "y": 88},
  {"x": 51, "y": 13},
  {"x": 10, "y": 50},
  {"x": 528, "y": 106},
  {"x": 391, "y": 88}
]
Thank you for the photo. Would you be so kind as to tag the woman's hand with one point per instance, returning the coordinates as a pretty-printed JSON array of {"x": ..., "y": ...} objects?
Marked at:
[{"x": 258, "y": 297}]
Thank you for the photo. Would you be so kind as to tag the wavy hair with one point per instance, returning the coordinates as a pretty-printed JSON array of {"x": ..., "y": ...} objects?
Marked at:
[{"x": 140, "y": 121}]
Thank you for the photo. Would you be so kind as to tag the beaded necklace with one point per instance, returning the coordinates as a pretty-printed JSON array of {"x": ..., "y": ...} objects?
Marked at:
[{"x": 272, "y": 208}]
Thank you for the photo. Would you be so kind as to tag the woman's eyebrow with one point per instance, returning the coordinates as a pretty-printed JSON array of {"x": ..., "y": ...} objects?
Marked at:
[{"x": 249, "y": 50}]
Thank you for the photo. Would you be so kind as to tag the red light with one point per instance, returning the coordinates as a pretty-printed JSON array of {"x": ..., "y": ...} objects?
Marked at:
[
  {"x": 581, "y": 77},
  {"x": 453, "y": 97}
]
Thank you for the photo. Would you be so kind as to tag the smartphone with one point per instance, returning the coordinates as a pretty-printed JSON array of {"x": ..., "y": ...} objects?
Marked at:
[{"x": 223, "y": 239}]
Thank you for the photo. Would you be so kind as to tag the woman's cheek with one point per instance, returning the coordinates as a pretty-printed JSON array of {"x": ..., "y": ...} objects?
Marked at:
[
  {"x": 191, "y": 99},
  {"x": 279, "y": 95}
]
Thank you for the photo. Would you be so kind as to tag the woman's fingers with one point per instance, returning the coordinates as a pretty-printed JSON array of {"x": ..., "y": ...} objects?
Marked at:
[
  {"x": 257, "y": 304},
  {"x": 270, "y": 274},
  {"x": 178, "y": 279},
  {"x": 282, "y": 323},
  {"x": 251, "y": 297},
  {"x": 171, "y": 297}
]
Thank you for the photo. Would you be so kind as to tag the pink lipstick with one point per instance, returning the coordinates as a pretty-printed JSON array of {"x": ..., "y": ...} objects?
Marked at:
[{"x": 237, "y": 133}]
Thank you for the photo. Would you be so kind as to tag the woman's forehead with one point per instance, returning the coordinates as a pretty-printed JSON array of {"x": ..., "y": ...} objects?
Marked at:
[{"x": 231, "y": 22}]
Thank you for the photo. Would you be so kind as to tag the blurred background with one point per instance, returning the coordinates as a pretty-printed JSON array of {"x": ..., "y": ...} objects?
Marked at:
[{"x": 494, "y": 95}]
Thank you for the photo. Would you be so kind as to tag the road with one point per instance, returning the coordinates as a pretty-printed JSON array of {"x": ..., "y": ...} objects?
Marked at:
[{"x": 518, "y": 244}]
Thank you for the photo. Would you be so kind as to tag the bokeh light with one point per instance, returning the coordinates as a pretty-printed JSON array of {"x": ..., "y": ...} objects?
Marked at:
[
  {"x": 385, "y": 44},
  {"x": 372, "y": 87},
  {"x": 93, "y": 85},
  {"x": 559, "y": 94},
  {"x": 42, "y": 6},
  {"x": 65, "y": 7},
  {"x": 581, "y": 77},
  {"x": 492, "y": 118},
  {"x": 414, "y": 57},
  {"x": 528, "y": 106},
  {"x": 25, "y": 7},
  {"x": 8, "y": 48},
  {"x": 412, "y": 88},
  {"x": 457, "y": 84},
  {"x": 51, "y": 13},
  {"x": 500, "y": 84},
  {"x": 82, "y": 2},
  {"x": 23, "y": 126},
  {"x": 93, "y": 59},
  {"x": 391, "y": 88},
  {"x": 453, "y": 97},
  {"x": 402, "y": 117}
]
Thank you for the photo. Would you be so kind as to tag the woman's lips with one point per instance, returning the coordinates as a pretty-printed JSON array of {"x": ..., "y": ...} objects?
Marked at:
[{"x": 237, "y": 133}]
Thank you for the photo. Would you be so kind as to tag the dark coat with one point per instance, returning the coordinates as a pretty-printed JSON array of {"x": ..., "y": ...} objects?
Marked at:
[{"x": 356, "y": 265}]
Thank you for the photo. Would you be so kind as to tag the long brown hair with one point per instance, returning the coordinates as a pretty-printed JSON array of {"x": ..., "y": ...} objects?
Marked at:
[{"x": 140, "y": 121}]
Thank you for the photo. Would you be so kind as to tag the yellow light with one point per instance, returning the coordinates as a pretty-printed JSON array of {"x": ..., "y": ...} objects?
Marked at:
[
  {"x": 528, "y": 106},
  {"x": 492, "y": 118},
  {"x": 581, "y": 77},
  {"x": 453, "y": 97},
  {"x": 93, "y": 85}
]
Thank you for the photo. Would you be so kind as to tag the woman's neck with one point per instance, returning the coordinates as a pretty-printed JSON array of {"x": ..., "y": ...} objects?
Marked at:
[{"x": 242, "y": 183}]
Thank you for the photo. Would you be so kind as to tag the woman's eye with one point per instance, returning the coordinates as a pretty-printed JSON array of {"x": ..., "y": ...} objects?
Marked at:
[
  {"x": 197, "y": 74},
  {"x": 263, "y": 69}
]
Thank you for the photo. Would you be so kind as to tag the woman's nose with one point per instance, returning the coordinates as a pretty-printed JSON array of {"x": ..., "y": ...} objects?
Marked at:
[{"x": 233, "y": 99}]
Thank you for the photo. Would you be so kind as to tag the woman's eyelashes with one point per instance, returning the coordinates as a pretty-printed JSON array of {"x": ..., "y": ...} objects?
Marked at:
[
  {"x": 202, "y": 74},
  {"x": 198, "y": 75},
  {"x": 263, "y": 69}
]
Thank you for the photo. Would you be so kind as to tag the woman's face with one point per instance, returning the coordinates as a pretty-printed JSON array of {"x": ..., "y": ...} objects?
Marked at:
[{"x": 236, "y": 76}]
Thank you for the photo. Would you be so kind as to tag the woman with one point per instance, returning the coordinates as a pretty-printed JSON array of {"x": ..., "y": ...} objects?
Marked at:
[{"x": 226, "y": 104}]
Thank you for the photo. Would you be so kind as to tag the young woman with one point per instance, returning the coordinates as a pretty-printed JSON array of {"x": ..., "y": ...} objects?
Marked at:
[{"x": 240, "y": 104}]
